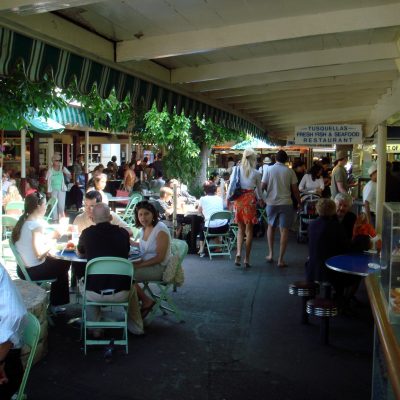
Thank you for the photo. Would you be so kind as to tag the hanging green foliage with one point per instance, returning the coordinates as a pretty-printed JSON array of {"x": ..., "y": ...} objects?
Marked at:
[{"x": 20, "y": 99}]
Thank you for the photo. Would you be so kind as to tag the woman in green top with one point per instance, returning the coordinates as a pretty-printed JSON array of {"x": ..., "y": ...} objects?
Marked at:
[{"x": 56, "y": 186}]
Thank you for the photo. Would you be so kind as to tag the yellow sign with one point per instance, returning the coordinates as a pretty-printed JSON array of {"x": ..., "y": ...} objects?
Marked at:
[{"x": 393, "y": 148}]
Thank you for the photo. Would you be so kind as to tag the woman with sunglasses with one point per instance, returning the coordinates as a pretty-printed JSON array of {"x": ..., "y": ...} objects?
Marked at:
[
  {"x": 56, "y": 178},
  {"x": 33, "y": 245},
  {"x": 155, "y": 247}
]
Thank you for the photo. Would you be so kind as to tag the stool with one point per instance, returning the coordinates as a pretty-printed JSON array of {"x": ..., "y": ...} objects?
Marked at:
[
  {"x": 305, "y": 290},
  {"x": 323, "y": 308}
]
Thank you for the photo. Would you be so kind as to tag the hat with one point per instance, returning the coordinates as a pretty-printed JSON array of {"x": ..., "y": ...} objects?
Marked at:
[
  {"x": 373, "y": 168},
  {"x": 267, "y": 160},
  {"x": 340, "y": 154}
]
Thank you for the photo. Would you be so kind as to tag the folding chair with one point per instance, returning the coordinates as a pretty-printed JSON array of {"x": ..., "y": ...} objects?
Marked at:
[
  {"x": 30, "y": 338},
  {"x": 163, "y": 300},
  {"x": 129, "y": 214},
  {"x": 50, "y": 209},
  {"x": 14, "y": 208},
  {"x": 225, "y": 245},
  {"x": 106, "y": 266}
]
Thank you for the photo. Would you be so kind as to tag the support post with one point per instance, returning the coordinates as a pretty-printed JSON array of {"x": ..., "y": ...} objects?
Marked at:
[{"x": 381, "y": 177}]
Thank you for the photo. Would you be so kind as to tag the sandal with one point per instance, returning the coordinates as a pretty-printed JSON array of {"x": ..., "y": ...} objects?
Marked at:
[
  {"x": 247, "y": 265},
  {"x": 269, "y": 260},
  {"x": 282, "y": 265},
  {"x": 238, "y": 262},
  {"x": 146, "y": 310}
]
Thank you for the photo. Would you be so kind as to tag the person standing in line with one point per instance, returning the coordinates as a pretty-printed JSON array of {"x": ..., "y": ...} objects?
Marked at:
[
  {"x": 280, "y": 182},
  {"x": 369, "y": 195},
  {"x": 339, "y": 174},
  {"x": 56, "y": 178},
  {"x": 246, "y": 204}
]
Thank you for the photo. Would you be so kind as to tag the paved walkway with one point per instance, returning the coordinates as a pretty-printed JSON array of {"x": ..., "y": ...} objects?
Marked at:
[{"x": 241, "y": 340}]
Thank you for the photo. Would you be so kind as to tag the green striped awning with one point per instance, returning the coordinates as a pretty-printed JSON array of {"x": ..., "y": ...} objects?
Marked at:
[
  {"x": 39, "y": 124},
  {"x": 72, "y": 116},
  {"x": 39, "y": 58}
]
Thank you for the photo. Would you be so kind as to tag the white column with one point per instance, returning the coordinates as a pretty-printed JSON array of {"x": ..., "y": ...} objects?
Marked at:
[
  {"x": 23, "y": 153},
  {"x": 381, "y": 176},
  {"x": 127, "y": 153},
  {"x": 50, "y": 150},
  {"x": 174, "y": 224},
  {"x": 129, "y": 156},
  {"x": 86, "y": 152}
]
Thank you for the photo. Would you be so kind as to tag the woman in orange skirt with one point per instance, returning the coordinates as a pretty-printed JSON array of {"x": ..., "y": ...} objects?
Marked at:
[{"x": 246, "y": 204}]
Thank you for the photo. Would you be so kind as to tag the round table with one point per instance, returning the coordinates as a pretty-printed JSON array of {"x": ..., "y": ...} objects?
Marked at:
[{"x": 353, "y": 263}]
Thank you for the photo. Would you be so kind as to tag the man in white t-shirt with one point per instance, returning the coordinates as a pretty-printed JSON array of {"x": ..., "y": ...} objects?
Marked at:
[
  {"x": 208, "y": 205},
  {"x": 369, "y": 195},
  {"x": 280, "y": 182}
]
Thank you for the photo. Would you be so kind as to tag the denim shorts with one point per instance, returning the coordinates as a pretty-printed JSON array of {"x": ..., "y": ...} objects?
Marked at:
[{"x": 282, "y": 216}]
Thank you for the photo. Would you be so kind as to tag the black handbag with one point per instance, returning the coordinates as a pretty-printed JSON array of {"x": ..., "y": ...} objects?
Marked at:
[{"x": 238, "y": 189}]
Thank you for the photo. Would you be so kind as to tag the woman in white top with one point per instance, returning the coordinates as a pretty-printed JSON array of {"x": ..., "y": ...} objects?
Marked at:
[
  {"x": 56, "y": 186},
  {"x": 33, "y": 245},
  {"x": 99, "y": 184},
  {"x": 209, "y": 204},
  {"x": 155, "y": 247},
  {"x": 246, "y": 204},
  {"x": 312, "y": 181}
]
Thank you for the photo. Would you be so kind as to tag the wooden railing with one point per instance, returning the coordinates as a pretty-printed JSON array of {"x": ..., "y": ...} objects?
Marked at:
[{"x": 390, "y": 345}]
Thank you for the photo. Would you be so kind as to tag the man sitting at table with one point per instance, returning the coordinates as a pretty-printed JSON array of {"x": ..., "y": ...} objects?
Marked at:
[
  {"x": 104, "y": 240},
  {"x": 85, "y": 220}
]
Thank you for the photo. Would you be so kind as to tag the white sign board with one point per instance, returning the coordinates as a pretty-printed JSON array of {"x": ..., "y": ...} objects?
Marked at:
[
  {"x": 393, "y": 148},
  {"x": 314, "y": 135}
]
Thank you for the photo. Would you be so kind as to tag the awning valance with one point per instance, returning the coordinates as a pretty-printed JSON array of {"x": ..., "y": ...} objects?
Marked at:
[
  {"x": 40, "y": 124},
  {"x": 40, "y": 58}
]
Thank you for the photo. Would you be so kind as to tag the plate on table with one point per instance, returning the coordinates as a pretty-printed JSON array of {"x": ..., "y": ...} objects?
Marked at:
[{"x": 134, "y": 251}]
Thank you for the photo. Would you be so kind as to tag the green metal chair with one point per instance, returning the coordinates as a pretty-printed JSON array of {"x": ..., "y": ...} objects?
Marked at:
[
  {"x": 14, "y": 207},
  {"x": 30, "y": 338},
  {"x": 106, "y": 266},
  {"x": 8, "y": 222},
  {"x": 50, "y": 209},
  {"x": 44, "y": 283},
  {"x": 129, "y": 213},
  {"x": 225, "y": 244},
  {"x": 160, "y": 294}
]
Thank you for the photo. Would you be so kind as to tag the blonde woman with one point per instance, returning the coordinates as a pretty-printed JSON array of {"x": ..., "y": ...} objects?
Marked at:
[
  {"x": 246, "y": 204},
  {"x": 56, "y": 186}
]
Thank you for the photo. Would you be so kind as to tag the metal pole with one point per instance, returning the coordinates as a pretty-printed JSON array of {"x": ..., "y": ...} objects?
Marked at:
[
  {"x": 381, "y": 178},
  {"x": 175, "y": 207}
]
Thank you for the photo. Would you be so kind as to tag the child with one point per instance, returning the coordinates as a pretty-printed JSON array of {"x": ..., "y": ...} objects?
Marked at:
[{"x": 363, "y": 232}]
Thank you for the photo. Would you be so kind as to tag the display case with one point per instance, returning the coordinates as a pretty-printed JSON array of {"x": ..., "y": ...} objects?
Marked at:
[{"x": 390, "y": 259}]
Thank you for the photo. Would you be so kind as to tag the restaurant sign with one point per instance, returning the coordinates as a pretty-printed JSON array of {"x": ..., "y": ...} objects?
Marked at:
[
  {"x": 393, "y": 148},
  {"x": 314, "y": 135}
]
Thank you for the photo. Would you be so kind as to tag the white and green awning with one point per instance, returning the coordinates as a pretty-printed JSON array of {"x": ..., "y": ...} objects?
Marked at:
[
  {"x": 40, "y": 58},
  {"x": 72, "y": 116}
]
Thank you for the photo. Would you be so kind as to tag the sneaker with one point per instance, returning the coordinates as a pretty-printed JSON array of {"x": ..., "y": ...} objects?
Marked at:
[
  {"x": 57, "y": 310},
  {"x": 202, "y": 255},
  {"x": 134, "y": 328}
]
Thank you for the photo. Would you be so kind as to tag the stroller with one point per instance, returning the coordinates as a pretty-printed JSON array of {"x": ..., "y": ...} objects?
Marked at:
[{"x": 306, "y": 214}]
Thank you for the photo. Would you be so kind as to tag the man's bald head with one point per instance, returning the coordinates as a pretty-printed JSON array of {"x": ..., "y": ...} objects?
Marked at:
[{"x": 101, "y": 213}]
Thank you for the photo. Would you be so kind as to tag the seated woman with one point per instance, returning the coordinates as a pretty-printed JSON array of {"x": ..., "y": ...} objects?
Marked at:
[
  {"x": 12, "y": 195},
  {"x": 34, "y": 245},
  {"x": 130, "y": 181},
  {"x": 312, "y": 181},
  {"x": 155, "y": 246},
  {"x": 209, "y": 204},
  {"x": 99, "y": 183}
]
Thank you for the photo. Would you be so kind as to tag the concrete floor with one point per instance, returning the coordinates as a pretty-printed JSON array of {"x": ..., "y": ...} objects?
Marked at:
[{"x": 242, "y": 339}]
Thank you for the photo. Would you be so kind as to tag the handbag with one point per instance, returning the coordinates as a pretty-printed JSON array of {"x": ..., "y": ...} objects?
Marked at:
[
  {"x": 122, "y": 193},
  {"x": 238, "y": 189}
]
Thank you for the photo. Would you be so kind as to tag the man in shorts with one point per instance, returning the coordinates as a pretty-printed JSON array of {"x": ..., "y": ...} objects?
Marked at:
[{"x": 280, "y": 182}]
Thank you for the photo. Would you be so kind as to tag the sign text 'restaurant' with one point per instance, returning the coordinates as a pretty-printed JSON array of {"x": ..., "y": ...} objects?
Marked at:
[{"x": 328, "y": 134}]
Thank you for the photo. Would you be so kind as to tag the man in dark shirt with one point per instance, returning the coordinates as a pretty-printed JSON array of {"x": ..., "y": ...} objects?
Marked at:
[{"x": 104, "y": 240}]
